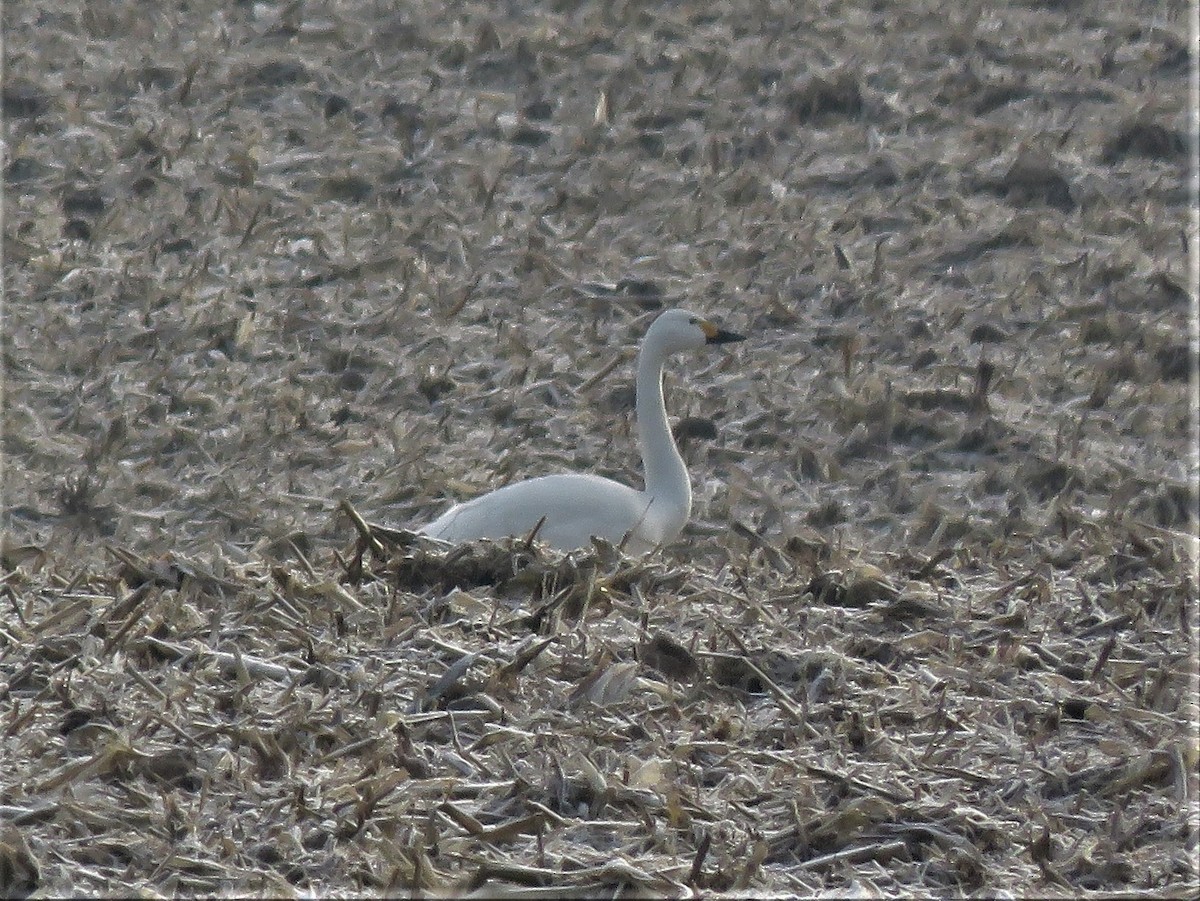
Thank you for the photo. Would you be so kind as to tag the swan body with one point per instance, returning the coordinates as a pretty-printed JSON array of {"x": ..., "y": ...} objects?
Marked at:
[{"x": 574, "y": 507}]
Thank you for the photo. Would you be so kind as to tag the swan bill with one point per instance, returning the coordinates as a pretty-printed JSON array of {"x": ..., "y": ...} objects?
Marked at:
[{"x": 715, "y": 335}]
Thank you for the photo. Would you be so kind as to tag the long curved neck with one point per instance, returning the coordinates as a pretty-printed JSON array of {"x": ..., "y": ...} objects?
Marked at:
[{"x": 667, "y": 480}]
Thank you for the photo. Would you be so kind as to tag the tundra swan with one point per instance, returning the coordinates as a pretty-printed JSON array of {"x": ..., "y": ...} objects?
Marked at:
[{"x": 573, "y": 507}]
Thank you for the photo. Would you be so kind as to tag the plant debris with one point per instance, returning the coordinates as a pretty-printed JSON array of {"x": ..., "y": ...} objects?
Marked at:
[{"x": 283, "y": 280}]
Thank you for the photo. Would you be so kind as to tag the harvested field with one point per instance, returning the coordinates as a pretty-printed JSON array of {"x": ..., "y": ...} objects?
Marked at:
[{"x": 277, "y": 272}]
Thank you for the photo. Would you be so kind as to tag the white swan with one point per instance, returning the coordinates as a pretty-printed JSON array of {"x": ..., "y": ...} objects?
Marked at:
[{"x": 573, "y": 507}]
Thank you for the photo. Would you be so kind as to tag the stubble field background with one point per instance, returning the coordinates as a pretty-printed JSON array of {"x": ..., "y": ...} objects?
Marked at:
[{"x": 933, "y": 626}]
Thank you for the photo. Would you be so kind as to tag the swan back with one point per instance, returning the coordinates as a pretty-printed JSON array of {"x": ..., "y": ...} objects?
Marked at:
[{"x": 572, "y": 508}]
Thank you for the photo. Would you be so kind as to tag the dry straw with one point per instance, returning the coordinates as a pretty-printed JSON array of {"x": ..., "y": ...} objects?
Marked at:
[{"x": 276, "y": 274}]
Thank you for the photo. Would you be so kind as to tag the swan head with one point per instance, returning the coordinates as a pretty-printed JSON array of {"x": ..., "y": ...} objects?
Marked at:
[{"x": 680, "y": 330}]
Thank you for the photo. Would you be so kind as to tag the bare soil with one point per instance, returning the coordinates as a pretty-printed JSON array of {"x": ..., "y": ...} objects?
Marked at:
[{"x": 270, "y": 268}]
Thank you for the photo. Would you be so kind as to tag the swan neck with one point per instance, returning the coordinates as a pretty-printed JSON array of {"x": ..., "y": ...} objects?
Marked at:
[{"x": 667, "y": 480}]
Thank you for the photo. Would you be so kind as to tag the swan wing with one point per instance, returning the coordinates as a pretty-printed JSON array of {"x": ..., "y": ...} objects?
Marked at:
[{"x": 575, "y": 507}]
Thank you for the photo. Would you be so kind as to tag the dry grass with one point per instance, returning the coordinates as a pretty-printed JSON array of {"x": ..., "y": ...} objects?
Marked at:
[{"x": 933, "y": 630}]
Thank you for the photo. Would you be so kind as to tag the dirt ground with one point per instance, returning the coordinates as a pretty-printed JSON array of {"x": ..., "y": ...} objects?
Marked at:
[{"x": 933, "y": 628}]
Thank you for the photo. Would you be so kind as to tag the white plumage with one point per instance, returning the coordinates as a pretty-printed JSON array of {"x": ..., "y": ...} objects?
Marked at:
[{"x": 574, "y": 507}]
